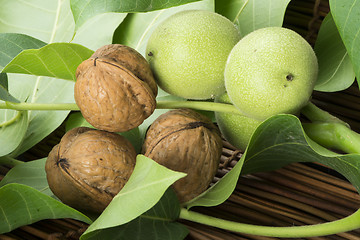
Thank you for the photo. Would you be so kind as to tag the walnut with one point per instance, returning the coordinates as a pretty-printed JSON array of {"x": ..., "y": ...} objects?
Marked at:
[
  {"x": 89, "y": 167},
  {"x": 186, "y": 141},
  {"x": 115, "y": 88}
]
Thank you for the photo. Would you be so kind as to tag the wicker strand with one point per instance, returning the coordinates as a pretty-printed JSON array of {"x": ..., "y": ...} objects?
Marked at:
[
  {"x": 318, "y": 175},
  {"x": 319, "y": 193}
]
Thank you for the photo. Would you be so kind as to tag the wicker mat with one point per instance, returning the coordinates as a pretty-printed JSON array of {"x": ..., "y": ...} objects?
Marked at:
[{"x": 298, "y": 194}]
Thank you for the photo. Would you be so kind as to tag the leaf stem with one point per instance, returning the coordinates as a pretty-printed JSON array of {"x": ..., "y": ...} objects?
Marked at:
[
  {"x": 38, "y": 106},
  {"x": 342, "y": 225},
  {"x": 197, "y": 105},
  {"x": 315, "y": 114},
  {"x": 6, "y": 160},
  {"x": 12, "y": 120},
  {"x": 326, "y": 129},
  {"x": 311, "y": 111},
  {"x": 334, "y": 135}
]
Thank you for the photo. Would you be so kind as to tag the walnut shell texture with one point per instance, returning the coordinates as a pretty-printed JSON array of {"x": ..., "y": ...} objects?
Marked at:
[
  {"x": 112, "y": 94},
  {"x": 186, "y": 141},
  {"x": 130, "y": 59},
  {"x": 89, "y": 167}
]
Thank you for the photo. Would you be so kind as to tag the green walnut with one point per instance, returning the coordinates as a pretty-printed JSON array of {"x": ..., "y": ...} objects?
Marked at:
[
  {"x": 236, "y": 129},
  {"x": 270, "y": 71},
  {"x": 187, "y": 53}
]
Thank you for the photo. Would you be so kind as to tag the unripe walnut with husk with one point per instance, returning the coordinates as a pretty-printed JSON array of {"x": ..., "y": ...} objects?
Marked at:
[
  {"x": 89, "y": 167},
  {"x": 186, "y": 141},
  {"x": 115, "y": 88}
]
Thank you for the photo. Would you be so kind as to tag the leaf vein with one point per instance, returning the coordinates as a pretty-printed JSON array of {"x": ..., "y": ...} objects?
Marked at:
[
  {"x": 348, "y": 15},
  {"x": 6, "y": 219},
  {"x": 26, "y": 204}
]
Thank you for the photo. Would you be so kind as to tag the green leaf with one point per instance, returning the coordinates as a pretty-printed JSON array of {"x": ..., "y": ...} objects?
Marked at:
[
  {"x": 281, "y": 140},
  {"x": 99, "y": 30},
  {"x": 147, "y": 184},
  {"x": 84, "y": 10},
  {"x": 76, "y": 119},
  {"x": 134, "y": 137},
  {"x": 11, "y": 44},
  {"x": 156, "y": 223},
  {"x": 220, "y": 191},
  {"x": 335, "y": 68},
  {"x": 40, "y": 123},
  {"x": 48, "y": 21},
  {"x": 31, "y": 174},
  {"x": 277, "y": 142},
  {"x": 4, "y": 81},
  {"x": 58, "y": 60},
  {"x": 138, "y": 27},
  {"x": 250, "y": 15},
  {"x": 4, "y": 93},
  {"x": 22, "y": 205},
  {"x": 346, "y": 15},
  {"x": 13, "y": 125}
]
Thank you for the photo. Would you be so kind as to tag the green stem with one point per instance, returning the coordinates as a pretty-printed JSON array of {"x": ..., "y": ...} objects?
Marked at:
[
  {"x": 342, "y": 225},
  {"x": 310, "y": 111},
  {"x": 38, "y": 106},
  {"x": 315, "y": 114},
  {"x": 334, "y": 135},
  {"x": 326, "y": 129},
  {"x": 197, "y": 105},
  {"x": 6, "y": 160},
  {"x": 12, "y": 120}
]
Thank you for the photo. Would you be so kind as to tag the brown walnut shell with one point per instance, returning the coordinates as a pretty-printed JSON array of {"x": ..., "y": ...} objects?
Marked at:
[
  {"x": 186, "y": 141},
  {"x": 130, "y": 59},
  {"x": 89, "y": 167},
  {"x": 115, "y": 92}
]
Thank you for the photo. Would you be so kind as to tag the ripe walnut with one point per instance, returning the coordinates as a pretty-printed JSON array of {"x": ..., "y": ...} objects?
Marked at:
[
  {"x": 115, "y": 88},
  {"x": 186, "y": 141},
  {"x": 89, "y": 167}
]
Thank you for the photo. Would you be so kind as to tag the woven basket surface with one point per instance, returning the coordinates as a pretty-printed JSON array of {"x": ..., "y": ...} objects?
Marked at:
[{"x": 298, "y": 194}]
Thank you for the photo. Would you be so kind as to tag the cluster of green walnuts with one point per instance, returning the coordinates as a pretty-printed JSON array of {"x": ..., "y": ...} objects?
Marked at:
[
  {"x": 202, "y": 55},
  {"x": 195, "y": 55}
]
